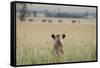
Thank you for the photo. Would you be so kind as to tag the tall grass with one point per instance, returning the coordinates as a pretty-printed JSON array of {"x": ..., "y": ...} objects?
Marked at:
[{"x": 34, "y": 43}]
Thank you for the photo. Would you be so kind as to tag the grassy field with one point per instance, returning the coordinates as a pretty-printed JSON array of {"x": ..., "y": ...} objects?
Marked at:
[{"x": 34, "y": 42}]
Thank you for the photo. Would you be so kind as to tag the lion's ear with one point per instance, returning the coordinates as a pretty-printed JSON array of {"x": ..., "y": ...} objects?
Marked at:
[
  {"x": 53, "y": 36},
  {"x": 63, "y": 36}
]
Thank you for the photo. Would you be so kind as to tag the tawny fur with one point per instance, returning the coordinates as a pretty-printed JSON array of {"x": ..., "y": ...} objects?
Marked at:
[{"x": 58, "y": 46}]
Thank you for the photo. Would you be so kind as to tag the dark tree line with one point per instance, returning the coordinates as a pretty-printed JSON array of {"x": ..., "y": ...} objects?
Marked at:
[{"x": 24, "y": 12}]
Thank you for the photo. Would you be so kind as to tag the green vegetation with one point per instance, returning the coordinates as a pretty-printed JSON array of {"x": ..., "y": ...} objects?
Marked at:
[{"x": 34, "y": 43}]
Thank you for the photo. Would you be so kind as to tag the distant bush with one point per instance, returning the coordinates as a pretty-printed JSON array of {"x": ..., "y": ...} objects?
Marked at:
[
  {"x": 50, "y": 21},
  {"x": 60, "y": 21},
  {"x": 43, "y": 20},
  {"x": 73, "y": 21},
  {"x": 23, "y": 13},
  {"x": 30, "y": 19}
]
